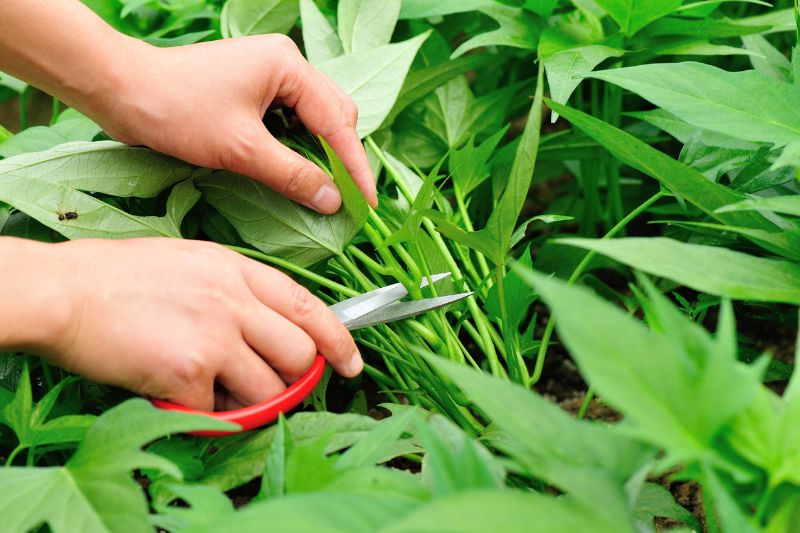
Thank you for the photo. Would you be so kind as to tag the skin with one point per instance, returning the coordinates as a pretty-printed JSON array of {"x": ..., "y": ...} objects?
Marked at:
[{"x": 185, "y": 321}]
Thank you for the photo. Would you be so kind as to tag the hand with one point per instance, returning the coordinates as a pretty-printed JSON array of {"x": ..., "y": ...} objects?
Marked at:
[
  {"x": 204, "y": 103},
  {"x": 169, "y": 318}
]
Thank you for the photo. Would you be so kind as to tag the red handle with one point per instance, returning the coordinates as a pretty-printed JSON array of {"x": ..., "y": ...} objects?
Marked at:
[{"x": 258, "y": 414}]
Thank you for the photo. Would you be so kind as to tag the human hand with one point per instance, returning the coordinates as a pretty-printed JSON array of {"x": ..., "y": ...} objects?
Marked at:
[
  {"x": 170, "y": 318},
  {"x": 203, "y": 103}
]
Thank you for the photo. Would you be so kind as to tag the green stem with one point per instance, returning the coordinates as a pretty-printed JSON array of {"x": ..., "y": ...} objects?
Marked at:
[
  {"x": 516, "y": 365},
  {"x": 551, "y": 322},
  {"x": 480, "y": 318},
  {"x": 587, "y": 400},
  {"x": 14, "y": 454},
  {"x": 291, "y": 267},
  {"x": 56, "y": 111},
  {"x": 462, "y": 208},
  {"x": 23, "y": 109}
]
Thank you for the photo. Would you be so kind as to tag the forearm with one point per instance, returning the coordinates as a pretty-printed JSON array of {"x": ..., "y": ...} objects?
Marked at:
[
  {"x": 33, "y": 309},
  {"x": 63, "y": 48}
]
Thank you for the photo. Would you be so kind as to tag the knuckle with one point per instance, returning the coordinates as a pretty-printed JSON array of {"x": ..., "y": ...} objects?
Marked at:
[
  {"x": 295, "y": 181},
  {"x": 242, "y": 150},
  {"x": 304, "y": 303},
  {"x": 351, "y": 111},
  {"x": 342, "y": 344},
  {"x": 285, "y": 42},
  {"x": 189, "y": 371}
]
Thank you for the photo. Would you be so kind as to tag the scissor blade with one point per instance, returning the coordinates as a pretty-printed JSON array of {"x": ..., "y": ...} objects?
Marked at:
[
  {"x": 358, "y": 306},
  {"x": 401, "y": 310}
]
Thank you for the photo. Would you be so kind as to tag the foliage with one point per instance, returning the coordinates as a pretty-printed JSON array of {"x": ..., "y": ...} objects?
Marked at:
[{"x": 519, "y": 145}]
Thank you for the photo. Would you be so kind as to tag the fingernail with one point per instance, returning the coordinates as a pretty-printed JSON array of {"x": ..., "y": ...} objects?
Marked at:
[
  {"x": 327, "y": 200},
  {"x": 355, "y": 365}
]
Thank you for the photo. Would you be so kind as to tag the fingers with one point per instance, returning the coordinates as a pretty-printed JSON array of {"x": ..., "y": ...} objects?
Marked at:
[
  {"x": 327, "y": 111},
  {"x": 199, "y": 395},
  {"x": 248, "y": 379},
  {"x": 288, "y": 173},
  {"x": 297, "y": 304},
  {"x": 283, "y": 345}
]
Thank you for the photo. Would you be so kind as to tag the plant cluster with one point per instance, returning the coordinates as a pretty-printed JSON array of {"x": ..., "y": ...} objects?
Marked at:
[{"x": 521, "y": 146}]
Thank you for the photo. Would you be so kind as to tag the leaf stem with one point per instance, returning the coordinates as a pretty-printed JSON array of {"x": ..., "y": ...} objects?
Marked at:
[{"x": 291, "y": 267}]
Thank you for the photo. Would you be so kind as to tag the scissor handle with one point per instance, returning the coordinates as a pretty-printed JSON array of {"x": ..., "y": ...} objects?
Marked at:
[{"x": 258, "y": 414}]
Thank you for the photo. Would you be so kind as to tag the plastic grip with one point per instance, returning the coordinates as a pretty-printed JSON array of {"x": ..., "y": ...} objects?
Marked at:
[{"x": 258, "y": 414}]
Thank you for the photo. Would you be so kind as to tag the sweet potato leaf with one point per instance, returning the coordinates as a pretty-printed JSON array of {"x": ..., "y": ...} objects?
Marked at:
[
  {"x": 633, "y": 15},
  {"x": 319, "y": 38},
  {"x": 709, "y": 269},
  {"x": 276, "y": 225},
  {"x": 106, "y": 167},
  {"x": 366, "y": 24},
  {"x": 519, "y": 28},
  {"x": 95, "y": 491},
  {"x": 747, "y": 105},
  {"x": 30, "y": 422},
  {"x": 373, "y": 78},
  {"x": 676, "y": 385},
  {"x": 253, "y": 17}
]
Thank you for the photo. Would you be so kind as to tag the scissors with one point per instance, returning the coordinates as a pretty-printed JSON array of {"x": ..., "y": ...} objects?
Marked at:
[{"x": 369, "y": 309}]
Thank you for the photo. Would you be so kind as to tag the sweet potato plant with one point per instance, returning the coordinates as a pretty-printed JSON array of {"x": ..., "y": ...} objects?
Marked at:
[{"x": 617, "y": 183}]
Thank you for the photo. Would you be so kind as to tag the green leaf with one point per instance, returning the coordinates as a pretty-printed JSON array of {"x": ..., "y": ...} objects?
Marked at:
[
  {"x": 788, "y": 205},
  {"x": 747, "y": 105},
  {"x": 71, "y": 126},
  {"x": 373, "y": 79},
  {"x": 253, "y": 17},
  {"x": 412, "y": 9},
  {"x": 273, "y": 482},
  {"x": 685, "y": 132},
  {"x": 422, "y": 82},
  {"x": 767, "y": 59},
  {"x": 702, "y": 28},
  {"x": 505, "y": 510},
  {"x": 95, "y": 491},
  {"x": 550, "y": 443},
  {"x": 319, "y": 38},
  {"x": 105, "y": 167},
  {"x": 709, "y": 269},
  {"x": 29, "y": 420},
  {"x": 276, "y": 225},
  {"x": 655, "y": 500},
  {"x": 240, "y": 458},
  {"x": 518, "y": 295},
  {"x": 692, "y": 46},
  {"x": 454, "y": 462},
  {"x": 567, "y": 61},
  {"x": 366, "y": 24},
  {"x": 676, "y": 385},
  {"x": 518, "y": 28},
  {"x": 680, "y": 179},
  {"x": 48, "y": 203},
  {"x": 633, "y": 15},
  {"x": 543, "y": 8},
  {"x": 470, "y": 164},
  {"x": 494, "y": 240},
  {"x": 206, "y": 504},
  {"x": 320, "y": 512},
  {"x": 375, "y": 444}
]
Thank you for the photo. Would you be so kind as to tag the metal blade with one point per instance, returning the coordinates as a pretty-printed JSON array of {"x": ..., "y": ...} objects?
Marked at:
[
  {"x": 401, "y": 310},
  {"x": 356, "y": 307}
]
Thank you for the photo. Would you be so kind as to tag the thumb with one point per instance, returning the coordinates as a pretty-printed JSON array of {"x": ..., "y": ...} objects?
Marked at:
[{"x": 289, "y": 173}]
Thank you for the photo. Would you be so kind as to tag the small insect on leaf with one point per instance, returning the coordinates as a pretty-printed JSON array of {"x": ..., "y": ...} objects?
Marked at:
[{"x": 70, "y": 215}]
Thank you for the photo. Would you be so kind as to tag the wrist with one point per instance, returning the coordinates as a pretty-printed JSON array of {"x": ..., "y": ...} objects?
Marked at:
[{"x": 42, "y": 311}]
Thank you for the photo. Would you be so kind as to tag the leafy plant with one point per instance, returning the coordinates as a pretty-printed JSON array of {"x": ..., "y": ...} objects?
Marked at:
[{"x": 527, "y": 147}]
